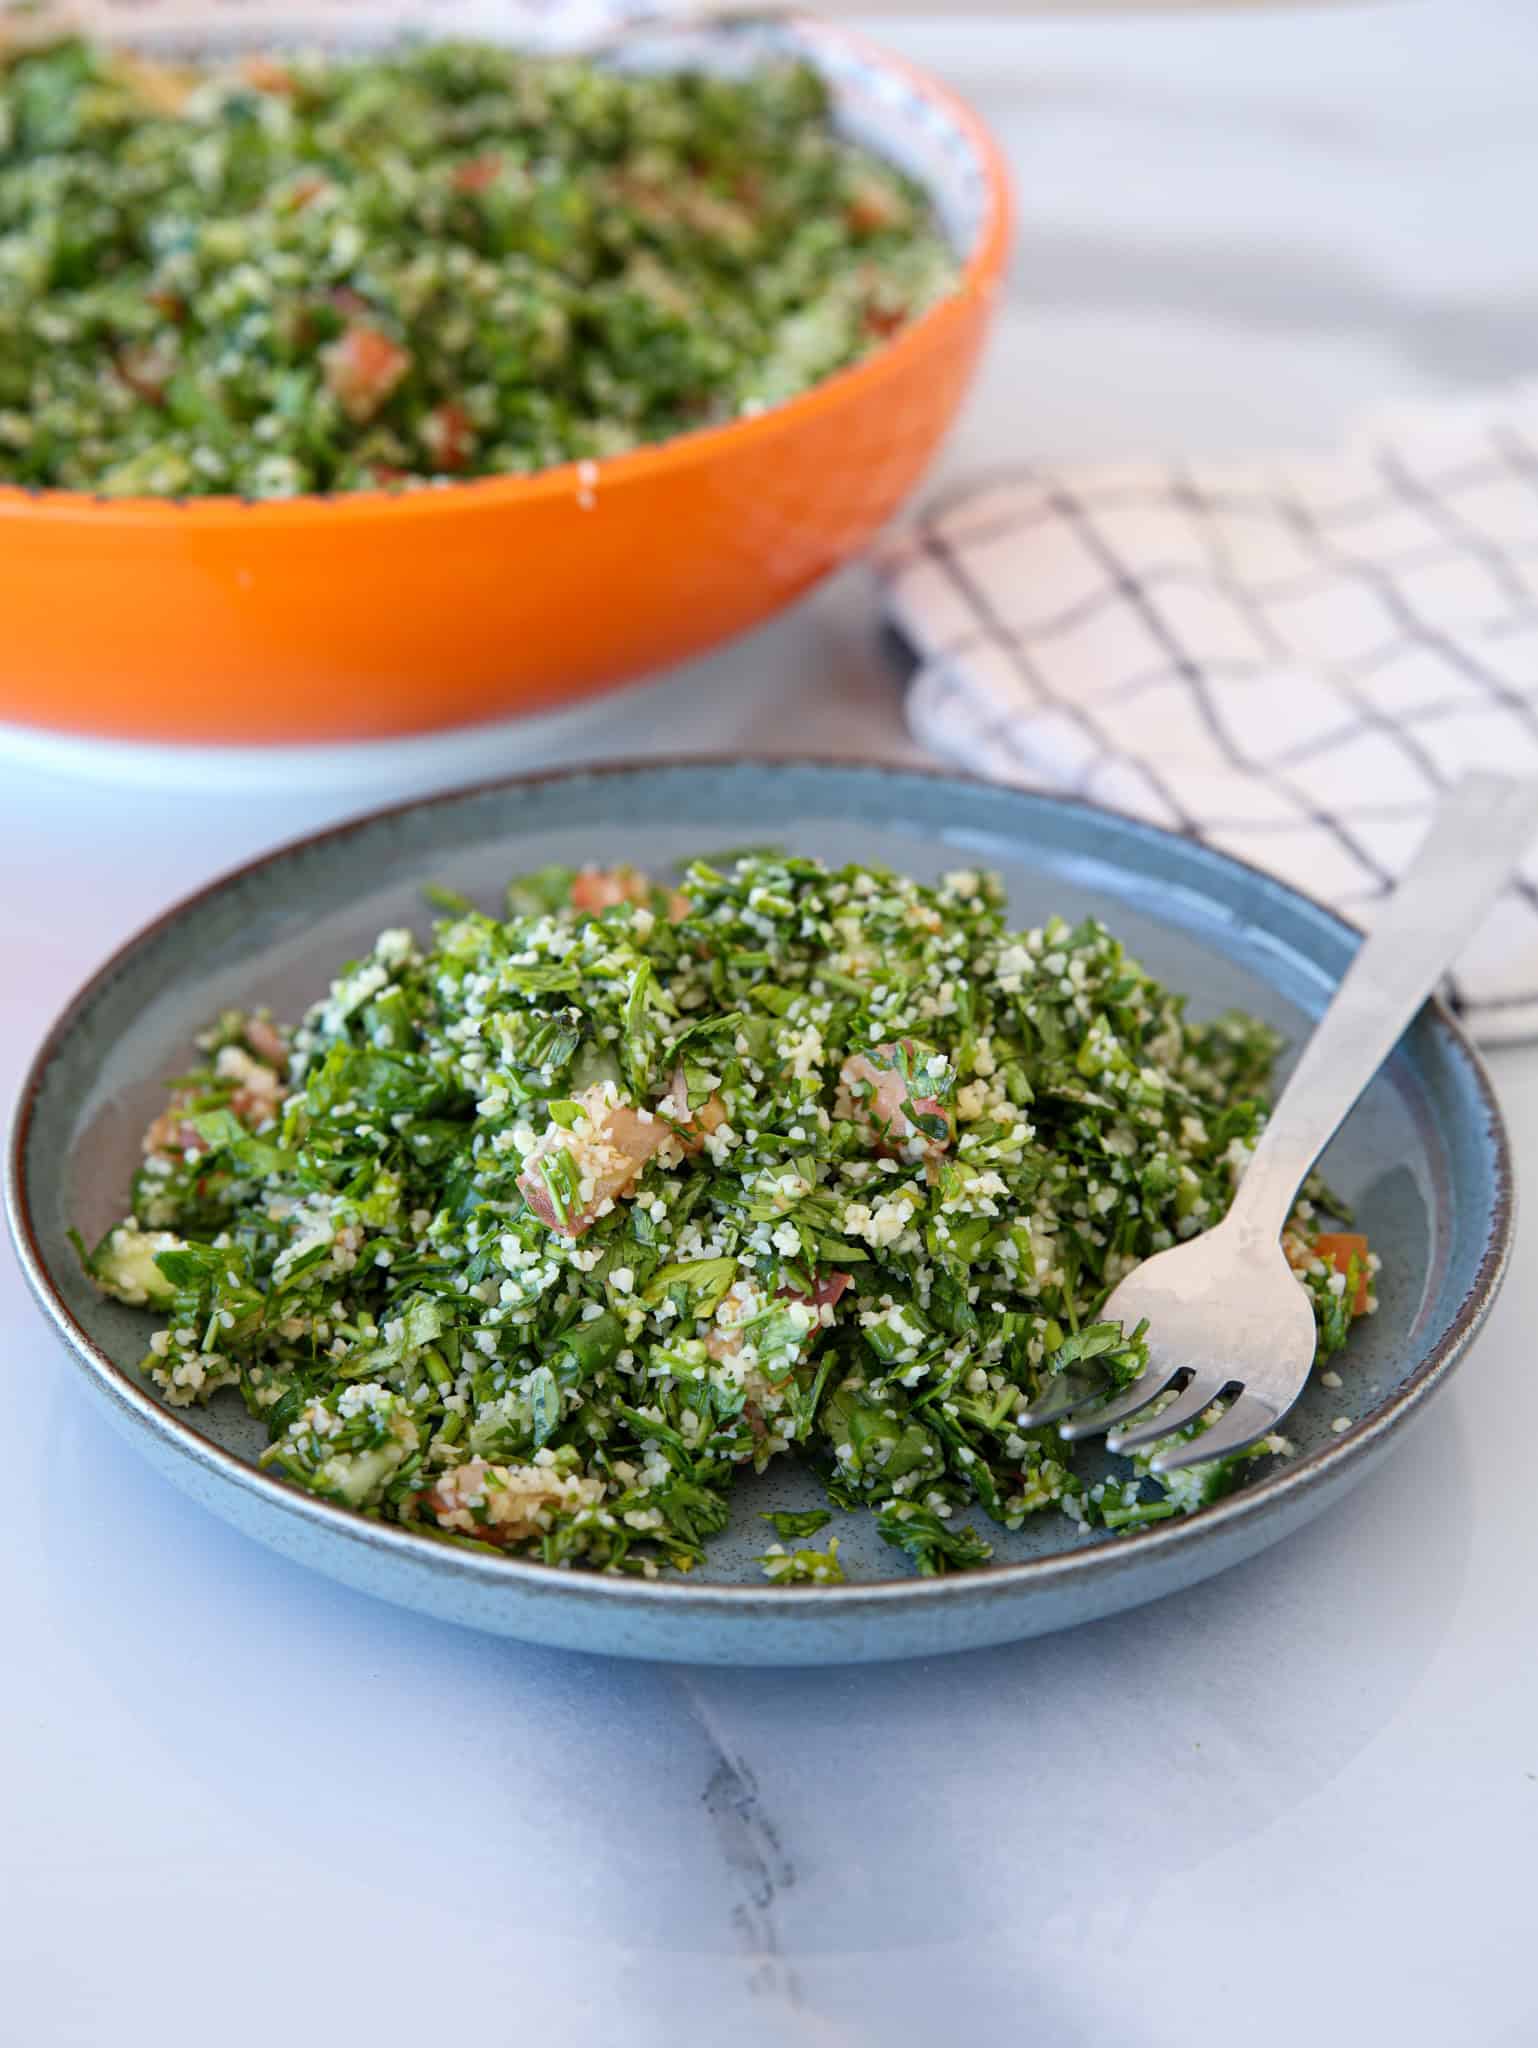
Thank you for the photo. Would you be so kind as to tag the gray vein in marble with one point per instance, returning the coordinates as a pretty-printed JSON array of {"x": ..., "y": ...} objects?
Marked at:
[{"x": 757, "y": 1867}]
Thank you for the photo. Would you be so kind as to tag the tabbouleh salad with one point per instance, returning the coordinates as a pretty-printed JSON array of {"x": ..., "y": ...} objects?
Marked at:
[
  {"x": 304, "y": 273},
  {"x": 537, "y": 1236}
]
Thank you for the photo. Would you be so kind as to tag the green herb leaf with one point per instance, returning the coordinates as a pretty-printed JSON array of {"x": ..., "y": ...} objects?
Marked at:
[{"x": 787, "y": 1524}]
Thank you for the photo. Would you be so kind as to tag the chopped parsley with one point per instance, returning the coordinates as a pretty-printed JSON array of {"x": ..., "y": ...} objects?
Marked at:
[{"x": 538, "y": 1236}]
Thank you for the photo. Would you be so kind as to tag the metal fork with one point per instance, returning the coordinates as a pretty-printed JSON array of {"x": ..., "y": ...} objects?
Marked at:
[{"x": 1225, "y": 1312}]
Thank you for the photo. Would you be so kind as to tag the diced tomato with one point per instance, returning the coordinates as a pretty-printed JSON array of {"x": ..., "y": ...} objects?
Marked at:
[
  {"x": 266, "y": 1041},
  {"x": 145, "y": 369},
  {"x": 162, "y": 88},
  {"x": 612, "y": 1147},
  {"x": 346, "y": 300},
  {"x": 362, "y": 368},
  {"x": 476, "y": 173},
  {"x": 828, "y": 1291},
  {"x": 1338, "y": 1248},
  {"x": 873, "y": 1094},
  {"x": 871, "y": 208},
  {"x": 724, "y": 1341},
  {"x": 262, "y": 74},
  {"x": 301, "y": 193},
  {"x": 448, "y": 435},
  {"x": 171, "y": 1132},
  {"x": 644, "y": 197},
  {"x": 882, "y": 320},
  {"x": 596, "y": 889},
  {"x": 694, "y": 1126}
]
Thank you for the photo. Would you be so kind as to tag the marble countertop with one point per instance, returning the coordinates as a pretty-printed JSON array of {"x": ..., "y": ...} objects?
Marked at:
[{"x": 1298, "y": 1803}]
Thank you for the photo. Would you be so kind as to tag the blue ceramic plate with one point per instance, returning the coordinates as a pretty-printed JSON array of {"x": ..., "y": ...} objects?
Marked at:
[{"x": 1423, "y": 1160}]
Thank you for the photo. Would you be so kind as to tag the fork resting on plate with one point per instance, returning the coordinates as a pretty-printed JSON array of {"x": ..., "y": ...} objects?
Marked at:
[{"x": 1224, "y": 1311}]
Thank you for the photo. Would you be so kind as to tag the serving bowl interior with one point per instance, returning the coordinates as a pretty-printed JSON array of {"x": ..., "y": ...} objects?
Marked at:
[
  {"x": 379, "y": 612},
  {"x": 1422, "y": 1160}
]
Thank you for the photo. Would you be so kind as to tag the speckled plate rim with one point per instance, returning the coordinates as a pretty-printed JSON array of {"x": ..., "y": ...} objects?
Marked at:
[{"x": 1286, "y": 1497}]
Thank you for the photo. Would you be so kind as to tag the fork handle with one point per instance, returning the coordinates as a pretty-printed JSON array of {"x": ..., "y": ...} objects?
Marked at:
[{"x": 1477, "y": 836}]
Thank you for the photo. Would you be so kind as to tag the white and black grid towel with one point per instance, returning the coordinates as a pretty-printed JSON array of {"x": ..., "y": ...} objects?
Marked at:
[{"x": 1289, "y": 659}]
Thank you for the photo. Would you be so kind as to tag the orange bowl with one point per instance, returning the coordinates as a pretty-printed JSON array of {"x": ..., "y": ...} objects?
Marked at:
[{"x": 376, "y": 613}]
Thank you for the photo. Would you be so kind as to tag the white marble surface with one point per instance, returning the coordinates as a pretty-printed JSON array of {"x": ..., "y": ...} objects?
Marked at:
[{"x": 1298, "y": 1804}]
